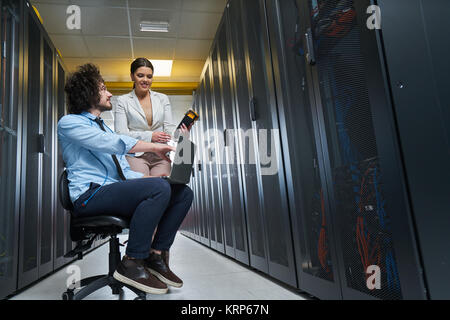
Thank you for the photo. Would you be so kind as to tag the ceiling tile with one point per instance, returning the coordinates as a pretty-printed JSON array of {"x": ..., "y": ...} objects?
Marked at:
[
  {"x": 217, "y": 6},
  {"x": 100, "y": 3},
  {"x": 192, "y": 49},
  {"x": 104, "y": 21},
  {"x": 187, "y": 69},
  {"x": 195, "y": 25},
  {"x": 70, "y": 46},
  {"x": 109, "y": 47},
  {"x": 160, "y": 49},
  {"x": 173, "y": 17},
  {"x": 110, "y": 69},
  {"x": 49, "y": 1},
  {"x": 54, "y": 18},
  {"x": 156, "y": 4}
]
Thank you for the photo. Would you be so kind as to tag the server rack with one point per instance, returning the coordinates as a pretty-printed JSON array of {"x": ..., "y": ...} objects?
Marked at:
[
  {"x": 11, "y": 68},
  {"x": 34, "y": 232},
  {"x": 315, "y": 252},
  {"x": 416, "y": 52},
  {"x": 353, "y": 191}
]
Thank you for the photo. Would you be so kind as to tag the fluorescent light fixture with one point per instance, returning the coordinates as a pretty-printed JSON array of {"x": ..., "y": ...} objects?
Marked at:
[
  {"x": 163, "y": 68},
  {"x": 154, "y": 26}
]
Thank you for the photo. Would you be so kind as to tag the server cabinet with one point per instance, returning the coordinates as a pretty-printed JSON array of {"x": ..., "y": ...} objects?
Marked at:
[
  {"x": 48, "y": 163},
  {"x": 61, "y": 215},
  {"x": 416, "y": 50},
  {"x": 10, "y": 140},
  {"x": 271, "y": 221},
  {"x": 216, "y": 145},
  {"x": 232, "y": 178},
  {"x": 31, "y": 182},
  {"x": 247, "y": 153},
  {"x": 203, "y": 168},
  {"x": 216, "y": 236},
  {"x": 316, "y": 262},
  {"x": 361, "y": 165}
]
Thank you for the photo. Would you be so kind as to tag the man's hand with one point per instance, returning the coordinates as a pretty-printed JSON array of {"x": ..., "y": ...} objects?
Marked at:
[{"x": 161, "y": 150}]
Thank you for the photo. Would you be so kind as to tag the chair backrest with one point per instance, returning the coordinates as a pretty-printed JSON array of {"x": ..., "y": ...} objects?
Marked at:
[{"x": 64, "y": 195}]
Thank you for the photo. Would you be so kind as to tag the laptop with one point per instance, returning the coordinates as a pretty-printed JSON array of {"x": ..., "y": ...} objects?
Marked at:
[{"x": 182, "y": 162}]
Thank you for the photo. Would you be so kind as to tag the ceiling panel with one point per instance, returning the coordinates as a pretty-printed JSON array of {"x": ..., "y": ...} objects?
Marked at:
[
  {"x": 187, "y": 68},
  {"x": 104, "y": 21},
  {"x": 192, "y": 49},
  {"x": 195, "y": 25},
  {"x": 70, "y": 46},
  {"x": 104, "y": 38},
  {"x": 100, "y": 3},
  {"x": 173, "y": 17},
  {"x": 50, "y": 1},
  {"x": 216, "y": 6},
  {"x": 160, "y": 49},
  {"x": 54, "y": 18},
  {"x": 156, "y": 4},
  {"x": 108, "y": 47}
]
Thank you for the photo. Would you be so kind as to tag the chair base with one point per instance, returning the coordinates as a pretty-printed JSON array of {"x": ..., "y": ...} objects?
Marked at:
[{"x": 92, "y": 284}]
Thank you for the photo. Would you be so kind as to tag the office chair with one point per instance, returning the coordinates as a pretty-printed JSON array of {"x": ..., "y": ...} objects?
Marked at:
[{"x": 84, "y": 231}]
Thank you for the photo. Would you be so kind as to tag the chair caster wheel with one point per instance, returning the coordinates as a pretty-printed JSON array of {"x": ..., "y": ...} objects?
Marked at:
[{"x": 68, "y": 295}]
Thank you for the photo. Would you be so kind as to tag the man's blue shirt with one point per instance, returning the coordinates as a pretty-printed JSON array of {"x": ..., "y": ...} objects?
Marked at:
[{"x": 87, "y": 151}]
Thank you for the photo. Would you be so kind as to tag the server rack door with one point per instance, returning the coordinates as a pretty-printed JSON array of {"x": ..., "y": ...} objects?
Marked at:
[
  {"x": 361, "y": 165},
  {"x": 206, "y": 215},
  {"x": 269, "y": 162},
  {"x": 246, "y": 142},
  {"x": 417, "y": 48},
  {"x": 220, "y": 186},
  {"x": 231, "y": 140},
  {"x": 231, "y": 165},
  {"x": 48, "y": 170},
  {"x": 196, "y": 173},
  {"x": 61, "y": 216},
  {"x": 32, "y": 159},
  {"x": 210, "y": 193},
  {"x": 314, "y": 249},
  {"x": 10, "y": 137}
]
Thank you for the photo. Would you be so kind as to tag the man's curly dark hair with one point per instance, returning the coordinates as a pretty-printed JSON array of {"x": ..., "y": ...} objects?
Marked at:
[{"x": 82, "y": 88}]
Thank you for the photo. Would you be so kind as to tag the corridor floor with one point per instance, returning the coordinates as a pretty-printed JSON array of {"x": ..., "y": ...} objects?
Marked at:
[{"x": 207, "y": 275}]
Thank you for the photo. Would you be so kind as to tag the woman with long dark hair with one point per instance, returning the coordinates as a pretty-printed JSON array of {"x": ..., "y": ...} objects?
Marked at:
[{"x": 146, "y": 115}]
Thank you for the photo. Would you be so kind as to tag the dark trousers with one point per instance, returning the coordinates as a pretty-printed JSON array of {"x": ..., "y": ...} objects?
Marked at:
[{"x": 149, "y": 202}]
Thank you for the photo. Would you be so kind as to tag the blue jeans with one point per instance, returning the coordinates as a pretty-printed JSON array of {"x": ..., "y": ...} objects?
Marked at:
[{"x": 148, "y": 202}]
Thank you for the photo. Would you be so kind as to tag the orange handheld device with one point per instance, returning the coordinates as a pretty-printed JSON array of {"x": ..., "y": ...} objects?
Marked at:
[{"x": 190, "y": 117}]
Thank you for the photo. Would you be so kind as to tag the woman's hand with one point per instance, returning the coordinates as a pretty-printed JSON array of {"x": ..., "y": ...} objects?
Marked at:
[
  {"x": 185, "y": 130},
  {"x": 160, "y": 137}
]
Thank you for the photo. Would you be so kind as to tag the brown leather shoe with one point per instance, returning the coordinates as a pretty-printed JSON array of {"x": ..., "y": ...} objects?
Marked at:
[
  {"x": 156, "y": 265},
  {"x": 133, "y": 273}
]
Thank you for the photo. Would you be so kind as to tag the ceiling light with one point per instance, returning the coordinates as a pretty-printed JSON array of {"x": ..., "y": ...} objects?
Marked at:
[
  {"x": 154, "y": 26},
  {"x": 163, "y": 68}
]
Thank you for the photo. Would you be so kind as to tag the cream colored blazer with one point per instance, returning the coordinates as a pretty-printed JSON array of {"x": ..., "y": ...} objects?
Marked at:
[{"x": 130, "y": 120}]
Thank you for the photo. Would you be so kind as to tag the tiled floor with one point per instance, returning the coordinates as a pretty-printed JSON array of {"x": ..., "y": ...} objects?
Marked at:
[{"x": 207, "y": 275}]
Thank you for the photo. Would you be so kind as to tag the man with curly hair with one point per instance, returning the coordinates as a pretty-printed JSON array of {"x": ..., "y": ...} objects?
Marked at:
[{"x": 101, "y": 181}]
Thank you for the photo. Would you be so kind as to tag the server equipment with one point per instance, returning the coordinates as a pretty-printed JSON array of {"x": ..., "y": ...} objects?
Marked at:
[{"x": 358, "y": 207}]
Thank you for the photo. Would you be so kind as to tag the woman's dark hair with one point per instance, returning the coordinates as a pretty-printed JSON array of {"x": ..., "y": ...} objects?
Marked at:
[
  {"x": 82, "y": 88},
  {"x": 140, "y": 62}
]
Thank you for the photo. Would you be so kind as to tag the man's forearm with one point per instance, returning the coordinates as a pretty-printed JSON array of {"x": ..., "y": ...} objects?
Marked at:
[{"x": 142, "y": 146}]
